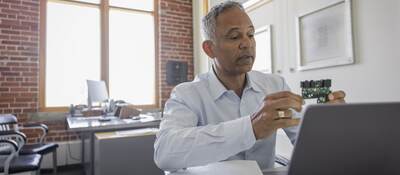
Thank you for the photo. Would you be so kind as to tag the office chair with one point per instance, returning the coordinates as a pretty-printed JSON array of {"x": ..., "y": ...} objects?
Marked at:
[
  {"x": 11, "y": 143},
  {"x": 9, "y": 122}
]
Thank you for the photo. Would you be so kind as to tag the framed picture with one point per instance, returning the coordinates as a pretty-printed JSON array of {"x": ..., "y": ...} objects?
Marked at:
[
  {"x": 324, "y": 37},
  {"x": 263, "y": 61},
  {"x": 250, "y": 5}
]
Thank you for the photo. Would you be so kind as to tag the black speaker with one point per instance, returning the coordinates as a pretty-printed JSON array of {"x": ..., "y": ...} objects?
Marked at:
[{"x": 176, "y": 72}]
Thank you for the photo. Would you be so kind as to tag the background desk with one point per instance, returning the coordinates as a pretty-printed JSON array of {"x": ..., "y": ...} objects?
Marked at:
[
  {"x": 126, "y": 152},
  {"x": 86, "y": 127}
]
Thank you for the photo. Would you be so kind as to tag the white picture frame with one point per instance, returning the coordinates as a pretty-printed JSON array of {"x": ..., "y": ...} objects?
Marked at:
[
  {"x": 250, "y": 5},
  {"x": 324, "y": 37},
  {"x": 263, "y": 59}
]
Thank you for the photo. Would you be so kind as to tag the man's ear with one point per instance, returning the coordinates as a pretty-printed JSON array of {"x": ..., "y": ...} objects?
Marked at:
[{"x": 207, "y": 47}]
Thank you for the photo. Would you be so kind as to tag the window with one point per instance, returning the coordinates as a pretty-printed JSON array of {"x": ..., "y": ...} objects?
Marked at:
[
  {"x": 110, "y": 40},
  {"x": 73, "y": 53},
  {"x": 90, "y": 1},
  {"x": 129, "y": 48},
  {"x": 146, "y": 5},
  {"x": 263, "y": 50}
]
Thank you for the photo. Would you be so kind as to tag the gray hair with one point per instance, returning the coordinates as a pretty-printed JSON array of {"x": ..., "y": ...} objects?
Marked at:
[{"x": 209, "y": 22}]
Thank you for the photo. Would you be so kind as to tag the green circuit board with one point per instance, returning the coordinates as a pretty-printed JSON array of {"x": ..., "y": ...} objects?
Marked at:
[{"x": 319, "y": 89}]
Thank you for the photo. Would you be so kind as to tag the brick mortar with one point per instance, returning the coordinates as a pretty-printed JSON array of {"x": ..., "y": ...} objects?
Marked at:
[{"x": 19, "y": 57}]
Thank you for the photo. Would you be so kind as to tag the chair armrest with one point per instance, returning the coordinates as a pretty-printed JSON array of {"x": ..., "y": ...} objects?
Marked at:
[
  {"x": 17, "y": 136},
  {"x": 8, "y": 145},
  {"x": 281, "y": 160},
  {"x": 42, "y": 127}
]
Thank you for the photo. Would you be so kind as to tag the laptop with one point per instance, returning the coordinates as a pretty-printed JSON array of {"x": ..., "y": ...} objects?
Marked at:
[{"x": 348, "y": 139}]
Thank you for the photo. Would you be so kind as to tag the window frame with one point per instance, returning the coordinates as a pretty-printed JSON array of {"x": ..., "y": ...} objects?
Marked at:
[{"x": 104, "y": 49}]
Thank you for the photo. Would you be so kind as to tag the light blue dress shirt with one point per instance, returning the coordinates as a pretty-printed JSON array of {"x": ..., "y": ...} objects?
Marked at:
[{"x": 204, "y": 123}]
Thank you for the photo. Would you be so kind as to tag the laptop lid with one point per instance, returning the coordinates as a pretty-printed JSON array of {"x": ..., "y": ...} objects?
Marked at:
[{"x": 348, "y": 139}]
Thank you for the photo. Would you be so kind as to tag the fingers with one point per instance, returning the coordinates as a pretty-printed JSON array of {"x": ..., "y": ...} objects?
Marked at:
[
  {"x": 337, "y": 97},
  {"x": 282, "y": 101},
  {"x": 338, "y": 101},
  {"x": 284, "y": 123},
  {"x": 276, "y": 113},
  {"x": 287, "y": 103},
  {"x": 264, "y": 127},
  {"x": 284, "y": 94}
]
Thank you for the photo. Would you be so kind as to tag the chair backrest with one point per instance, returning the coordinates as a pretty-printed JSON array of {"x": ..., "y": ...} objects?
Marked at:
[{"x": 8, "y": 122}]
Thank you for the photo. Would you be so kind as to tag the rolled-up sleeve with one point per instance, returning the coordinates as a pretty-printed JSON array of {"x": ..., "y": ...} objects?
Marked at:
[{"x": 181, "y": 143}]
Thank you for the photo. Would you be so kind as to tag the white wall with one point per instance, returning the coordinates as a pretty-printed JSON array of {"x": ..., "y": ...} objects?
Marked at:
[
  {"x": 201, "y": 61},
  {"x": 376, "y": 35},
  {"x": 68, "y": 153},
  {"x": 376, "y": 39}
]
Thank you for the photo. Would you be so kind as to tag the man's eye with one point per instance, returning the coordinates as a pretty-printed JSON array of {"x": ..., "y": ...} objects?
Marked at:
[
  {"x": 234, "y": 37},
  {"x": 251, "y": 35}
]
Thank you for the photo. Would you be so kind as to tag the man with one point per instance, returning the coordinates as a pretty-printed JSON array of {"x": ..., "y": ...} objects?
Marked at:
[{"x": 230, "y": 112}]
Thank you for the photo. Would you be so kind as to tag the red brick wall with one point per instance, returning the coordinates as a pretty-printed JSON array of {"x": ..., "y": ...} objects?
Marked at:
[
  {"x": 19, "y": 56},
  {"x": 176, "y": 36}
]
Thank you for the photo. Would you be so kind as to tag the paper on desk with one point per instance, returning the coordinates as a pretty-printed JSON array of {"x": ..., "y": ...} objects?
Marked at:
[
  {"x": 147, "y": 118},
  {"x": 138, "y": 132},
  {"x": 234, "y": 167}
]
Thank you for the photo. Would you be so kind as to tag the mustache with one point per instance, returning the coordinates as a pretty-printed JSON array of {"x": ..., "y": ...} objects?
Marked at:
[{"x": 245, "y": 56}]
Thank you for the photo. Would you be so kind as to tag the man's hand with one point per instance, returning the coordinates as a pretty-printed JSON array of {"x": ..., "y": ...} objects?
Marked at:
[
  {"x": 275, "y": 113},
  {"x": 336, "y": 97}
]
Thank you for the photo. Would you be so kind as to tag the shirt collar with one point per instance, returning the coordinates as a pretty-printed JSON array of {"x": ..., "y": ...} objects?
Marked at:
[
  {"x": 251, "y": 84},
  {"x": 217, "y": 89},
  {"x": 215, "y": 86}
]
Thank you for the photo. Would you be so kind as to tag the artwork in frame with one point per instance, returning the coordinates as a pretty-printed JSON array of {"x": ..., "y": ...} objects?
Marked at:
[
  {"x": 263, "y": 59},
  {"x": 324, "y": 37}
]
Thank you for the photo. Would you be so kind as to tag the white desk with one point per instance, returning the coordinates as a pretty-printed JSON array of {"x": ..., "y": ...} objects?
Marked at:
[
  {"x": 234, "y": 167},
  {"x": 126, "y": 152},
  {"x": 86, "y": 127}
]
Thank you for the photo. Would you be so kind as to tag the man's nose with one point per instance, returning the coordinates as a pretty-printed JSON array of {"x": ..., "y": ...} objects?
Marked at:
[{"x": 246, "y": 42}]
